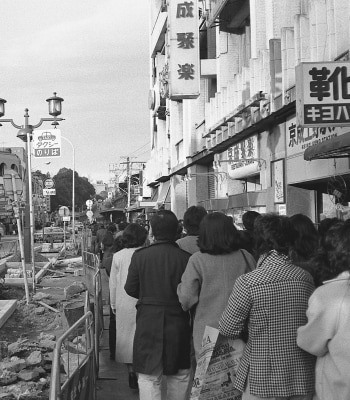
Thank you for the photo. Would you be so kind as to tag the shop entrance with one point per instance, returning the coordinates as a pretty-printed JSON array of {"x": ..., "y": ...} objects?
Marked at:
[{"x": 323, "y": 198}]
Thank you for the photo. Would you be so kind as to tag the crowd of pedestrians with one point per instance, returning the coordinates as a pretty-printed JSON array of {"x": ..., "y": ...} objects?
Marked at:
[{"x": 281, "y": 284}]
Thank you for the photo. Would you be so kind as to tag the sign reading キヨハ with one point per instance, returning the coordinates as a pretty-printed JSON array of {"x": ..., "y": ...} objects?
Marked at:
[
  {"x": 183, "y": 54},
  {"x": 46, "y": 143},
  {"x": 323, "y": 94}
]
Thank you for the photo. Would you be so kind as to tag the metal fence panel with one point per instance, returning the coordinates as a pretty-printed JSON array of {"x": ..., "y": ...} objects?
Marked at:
[{"x": 80, "y": 363}]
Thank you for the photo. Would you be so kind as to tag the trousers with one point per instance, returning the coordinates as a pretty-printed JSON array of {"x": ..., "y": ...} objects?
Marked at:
[{"x": 161, "y": 387}]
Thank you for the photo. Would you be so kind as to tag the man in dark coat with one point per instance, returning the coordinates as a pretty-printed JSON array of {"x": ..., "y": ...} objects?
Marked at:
[{"x": 162, "y": 337}]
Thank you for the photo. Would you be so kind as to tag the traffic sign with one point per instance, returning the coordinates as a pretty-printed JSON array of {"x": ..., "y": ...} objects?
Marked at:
[
  {"x": 89, "y": 214},
  {"x": 63, "y": 211},
  {"x": 89, "y": 204},
  {"x": 49, "y": 183},
  {"x": 49, "y": 192},
  {"x": 66, "y": 219},
  {"x": 46, "y": 143}
]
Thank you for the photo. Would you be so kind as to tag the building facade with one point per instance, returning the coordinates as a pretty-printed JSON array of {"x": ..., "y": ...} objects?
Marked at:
[{"x": 237, "y": 144}]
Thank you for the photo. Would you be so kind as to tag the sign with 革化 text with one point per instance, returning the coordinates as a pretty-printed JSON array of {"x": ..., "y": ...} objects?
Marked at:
[
  {"x": 46, "y": 143},
  {"x": 323, "y": 94},
  {"x": 183, "y": 54}
]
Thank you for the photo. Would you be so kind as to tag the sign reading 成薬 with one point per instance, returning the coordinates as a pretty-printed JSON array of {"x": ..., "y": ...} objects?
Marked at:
[
  {"x": 323, "y": 94},
  {"x": 183, "y": 54}
]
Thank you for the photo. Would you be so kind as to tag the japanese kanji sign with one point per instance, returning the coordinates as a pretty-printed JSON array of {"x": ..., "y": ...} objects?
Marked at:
[
  {"x": 323, "y": 94},
  {"x": 298, "y": 139},
  {"x": 46, "y": 143},
  {"x": 244, "y": 157},
  {"x": 183, "y": 54}
]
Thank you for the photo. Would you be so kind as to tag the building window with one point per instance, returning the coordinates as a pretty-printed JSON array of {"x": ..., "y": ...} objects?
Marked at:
[{"x": 14, "y": 167}]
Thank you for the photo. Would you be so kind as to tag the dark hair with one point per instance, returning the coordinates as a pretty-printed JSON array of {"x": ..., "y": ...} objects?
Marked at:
[
  {"x": 306, "y": 242},
  {"x": 111, "y": 228},
  {"x": 218, "y": 235},
  {"x": 108, "y": 240},
  {"x": 333, "y": 257},
  {"x": 118, "y": 243},
  {"x": 134, "y": 235},
  {"x": 273, "y": 232},
  {"x": 164, "y": 225},
  {"x": 248, "y": 219},
  {"x": 122, "y": 225},
  {"x": 192, "y": 218},
  {"x": 324, "y": 225}
]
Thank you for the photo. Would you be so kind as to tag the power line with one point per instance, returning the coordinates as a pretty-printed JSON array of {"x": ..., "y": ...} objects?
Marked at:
[{"x": 141, "y": 147}]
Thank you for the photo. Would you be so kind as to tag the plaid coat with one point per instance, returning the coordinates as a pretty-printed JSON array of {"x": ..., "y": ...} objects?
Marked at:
[{"x": 273, "y": 299}]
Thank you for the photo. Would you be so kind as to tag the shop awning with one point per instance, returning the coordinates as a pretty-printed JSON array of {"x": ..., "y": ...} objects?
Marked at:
[
  {"x": 337, "y": 147},
  {"x": 141, "y": 205}
]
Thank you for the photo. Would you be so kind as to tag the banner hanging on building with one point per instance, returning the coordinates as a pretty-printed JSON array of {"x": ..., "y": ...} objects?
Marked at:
[
  {"x": 183, "y": 53},
  {"x": 323, "y": 94}
]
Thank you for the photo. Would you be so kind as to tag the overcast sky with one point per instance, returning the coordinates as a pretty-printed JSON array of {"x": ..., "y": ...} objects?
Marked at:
[{"x": 94, "y": 54}]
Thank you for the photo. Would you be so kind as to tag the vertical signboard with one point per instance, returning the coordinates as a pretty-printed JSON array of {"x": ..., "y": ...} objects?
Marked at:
[
  {"x": 46, "y": 143},
  {"x": 183, "y": 53},
  {"x": 323, "y": 94}
]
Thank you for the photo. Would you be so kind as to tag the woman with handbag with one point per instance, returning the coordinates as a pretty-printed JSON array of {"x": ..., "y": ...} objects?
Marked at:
[{"x": 211, "y": 273}]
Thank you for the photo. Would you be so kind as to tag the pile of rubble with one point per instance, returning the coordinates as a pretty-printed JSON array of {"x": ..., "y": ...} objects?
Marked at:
[{"x": 25, "y": 366}]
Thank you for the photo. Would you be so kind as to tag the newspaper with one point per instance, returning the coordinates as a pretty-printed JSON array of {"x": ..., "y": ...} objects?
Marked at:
[{"x": 217, "y": 367}]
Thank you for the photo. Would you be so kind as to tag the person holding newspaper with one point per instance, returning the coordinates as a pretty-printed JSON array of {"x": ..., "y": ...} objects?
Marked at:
[{"x": 272, "y": 300}]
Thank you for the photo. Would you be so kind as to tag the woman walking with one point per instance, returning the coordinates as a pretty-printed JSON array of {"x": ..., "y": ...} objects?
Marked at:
[
  {"x": 124, "y": 306},
  {"x": 211, "y": 273},
  {"x": 272, "y": 301}
]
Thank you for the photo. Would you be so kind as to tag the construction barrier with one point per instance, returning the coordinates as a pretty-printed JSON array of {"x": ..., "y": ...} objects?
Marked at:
[
  {"x": 76, "y": 351},
  {"x": 93, "y": 283}
]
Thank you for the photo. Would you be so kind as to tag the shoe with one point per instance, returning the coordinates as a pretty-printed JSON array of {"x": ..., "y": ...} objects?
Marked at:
[{"x": 133, "y": 381}]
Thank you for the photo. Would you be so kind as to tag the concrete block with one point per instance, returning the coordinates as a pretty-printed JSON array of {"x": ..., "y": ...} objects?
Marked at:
[{"x": 7, "y": 308}]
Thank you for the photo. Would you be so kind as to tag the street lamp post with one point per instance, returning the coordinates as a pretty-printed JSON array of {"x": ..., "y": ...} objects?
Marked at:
[
  {"x": 73, "y": 190},
  {"x": 25, "y": 134}
]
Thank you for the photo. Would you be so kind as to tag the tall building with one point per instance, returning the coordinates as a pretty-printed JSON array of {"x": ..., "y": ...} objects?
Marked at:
[{"x": 227, "y": 78}]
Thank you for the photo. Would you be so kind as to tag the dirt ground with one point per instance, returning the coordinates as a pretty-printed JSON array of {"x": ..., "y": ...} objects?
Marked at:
[{"x": 26, "y": 322}]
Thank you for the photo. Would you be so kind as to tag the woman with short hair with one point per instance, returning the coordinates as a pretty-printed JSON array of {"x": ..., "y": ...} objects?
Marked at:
[
  {"x": 272, "y": 301},
  {"x": 124, "y": 306},
  {"x": 211, "y": 273}
]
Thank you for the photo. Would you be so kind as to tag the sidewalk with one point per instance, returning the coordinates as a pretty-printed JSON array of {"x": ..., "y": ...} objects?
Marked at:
[
  {"x": 113, "y": 378},
  {"x": 112, "y": 383}
]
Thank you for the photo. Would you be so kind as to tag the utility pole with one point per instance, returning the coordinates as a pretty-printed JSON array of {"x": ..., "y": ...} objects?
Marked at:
[{"x": 129, "y": 169}]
